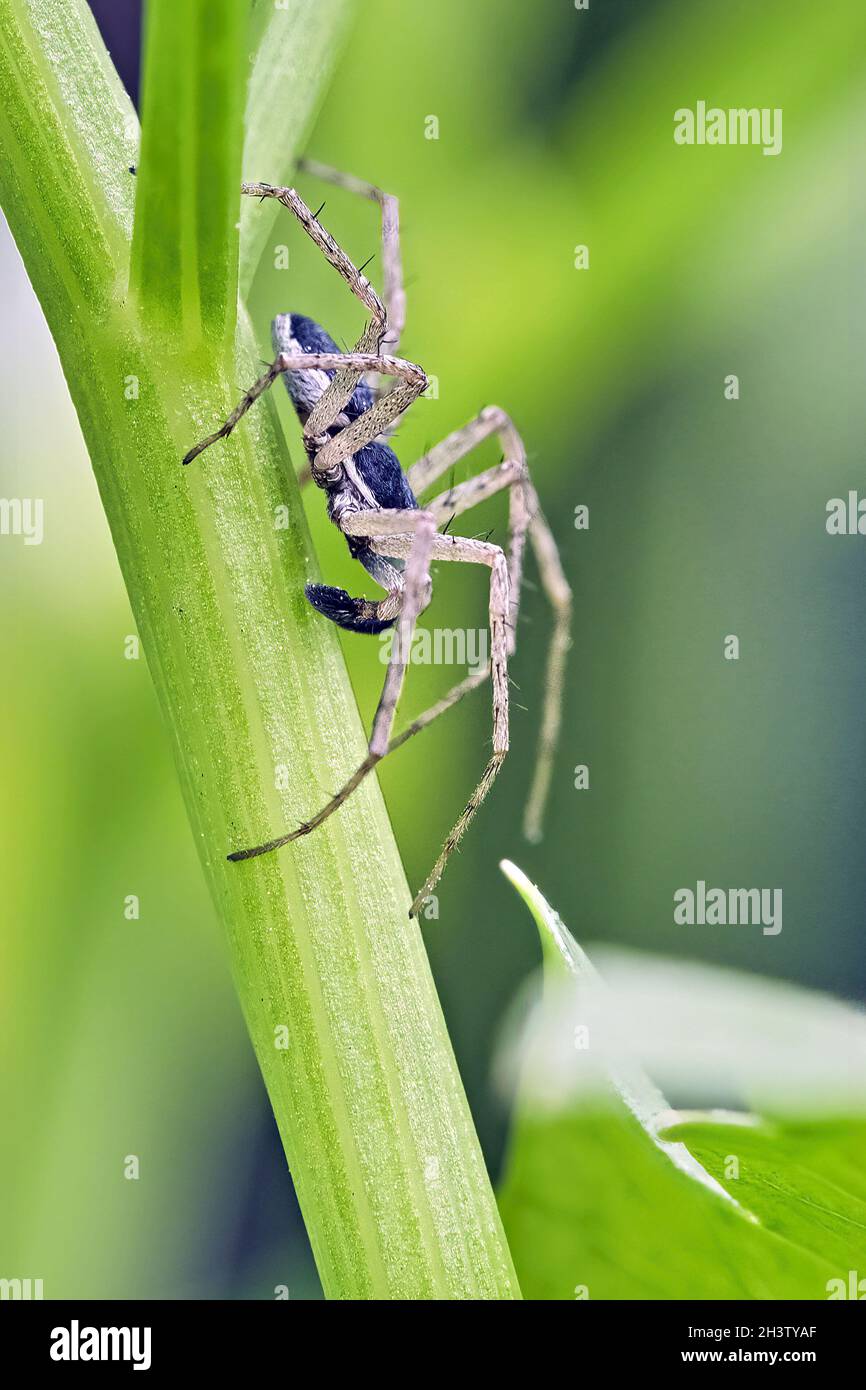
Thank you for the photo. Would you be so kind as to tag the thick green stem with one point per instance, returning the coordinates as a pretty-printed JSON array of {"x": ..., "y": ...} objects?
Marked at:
[
  {"x": 258, "y": 706},
  {"x": 185, "y": 244}
]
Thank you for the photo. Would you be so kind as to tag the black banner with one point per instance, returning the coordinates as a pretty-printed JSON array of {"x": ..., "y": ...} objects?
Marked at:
[{"x": 154, "y": 1338}]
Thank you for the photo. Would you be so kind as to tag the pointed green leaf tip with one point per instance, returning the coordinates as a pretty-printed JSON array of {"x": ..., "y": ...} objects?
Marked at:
[
  {"x": 564, "y": 963},
  {"x": 561, "y": 953}
]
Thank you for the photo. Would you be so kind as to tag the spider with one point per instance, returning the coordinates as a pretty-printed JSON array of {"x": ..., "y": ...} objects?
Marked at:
[{"x": 345, "y": 422}]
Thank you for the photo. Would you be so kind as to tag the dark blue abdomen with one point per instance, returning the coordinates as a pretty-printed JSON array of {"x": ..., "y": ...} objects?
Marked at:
[{"x": 379, "y": 467}]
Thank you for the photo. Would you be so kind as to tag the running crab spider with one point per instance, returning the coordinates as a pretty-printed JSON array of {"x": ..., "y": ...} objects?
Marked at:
[{"x": 374, "y": 503}]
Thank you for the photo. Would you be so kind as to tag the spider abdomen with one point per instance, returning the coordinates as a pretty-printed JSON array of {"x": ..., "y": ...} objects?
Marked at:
[{"x": 380, "y": 471}]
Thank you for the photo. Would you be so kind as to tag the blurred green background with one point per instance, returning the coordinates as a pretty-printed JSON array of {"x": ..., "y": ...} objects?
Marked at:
[{"x": 122, "y": 1036}]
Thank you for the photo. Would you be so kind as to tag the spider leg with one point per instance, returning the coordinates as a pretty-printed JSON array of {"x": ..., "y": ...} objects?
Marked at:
[
  {"x": 558, "y": 592},
  {"x": 387, "y": 320},
  {"x": 461, "y": 497},
  {"x": 466, "y": 551},
  {"x": 346, "y": 378},
  {"x": 525, "y": 515},
  {"x": 455, "y": 446},
  {"x": 417, "y": 542},
  {"x": 340, "y": 797},
  {"x": 374, "y": 421},
  {"x": 442, "y": 458},
  {"x": 415, "y": 532},
  {"x": 393, "y": 290},
  {"x": 330, "y": 249},
  {"x": 343, "y": 445},
  {"x": 418, "y": 533}
]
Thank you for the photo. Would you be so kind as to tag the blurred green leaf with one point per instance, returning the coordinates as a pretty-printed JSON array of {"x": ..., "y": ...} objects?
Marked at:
[{"x": 598, "y": 1202}]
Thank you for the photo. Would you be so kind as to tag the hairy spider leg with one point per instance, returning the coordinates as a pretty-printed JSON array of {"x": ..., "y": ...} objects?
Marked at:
[
  {"x": 415, "y": 539},
  {"x": 338, "y": 448},
  {"x": 525, "y": 513},
  {"x": 393, "y": 290},
  {"x": 389, "y": 533}
]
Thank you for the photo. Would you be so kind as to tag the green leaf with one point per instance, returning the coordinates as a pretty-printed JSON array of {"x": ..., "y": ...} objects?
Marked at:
[
  {"x": 805, "y": 1181},
  {"x": 600, "y": 1199},
  {"x": 185, "y": 243}
]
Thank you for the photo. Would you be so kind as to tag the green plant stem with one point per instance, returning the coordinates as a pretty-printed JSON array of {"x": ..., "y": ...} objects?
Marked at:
[
  {"x": 257, "y": 704},
  {"x": 185, "y": 242}
]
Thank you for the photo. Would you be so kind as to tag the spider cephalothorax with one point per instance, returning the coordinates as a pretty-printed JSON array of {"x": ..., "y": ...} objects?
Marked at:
[{"x": 374, "y": 503}]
